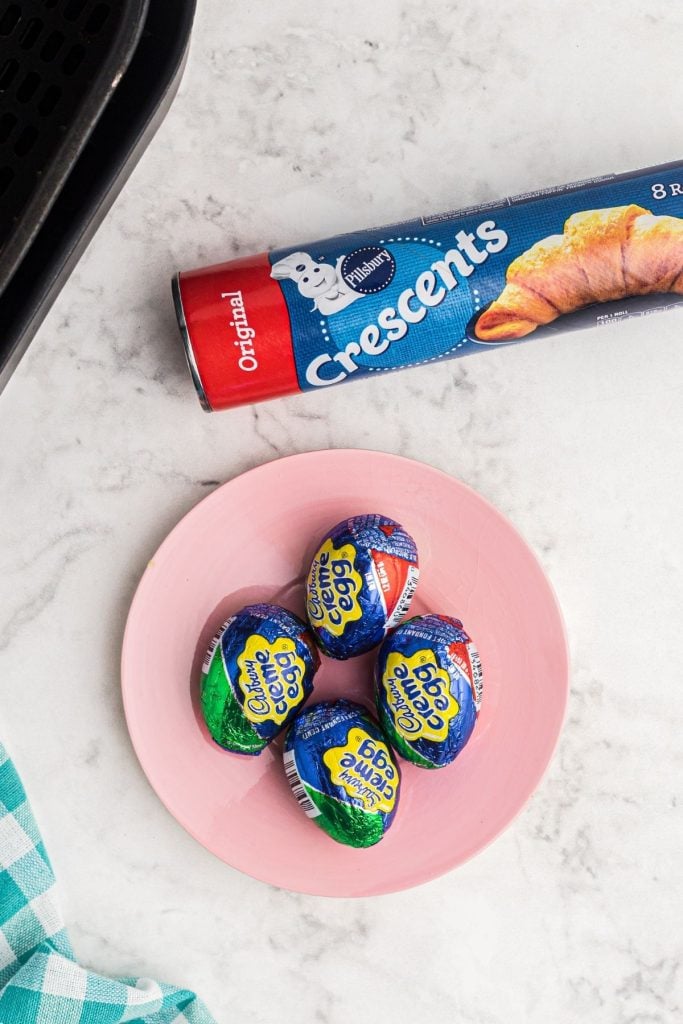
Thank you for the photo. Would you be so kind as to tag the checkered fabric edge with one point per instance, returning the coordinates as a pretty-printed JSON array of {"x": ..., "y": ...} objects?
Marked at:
[{"x": 40, "y": 982}]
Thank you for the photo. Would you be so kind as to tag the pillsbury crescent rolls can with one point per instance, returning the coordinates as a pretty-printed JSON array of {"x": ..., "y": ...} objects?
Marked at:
[{"x": 323, "y": 313}]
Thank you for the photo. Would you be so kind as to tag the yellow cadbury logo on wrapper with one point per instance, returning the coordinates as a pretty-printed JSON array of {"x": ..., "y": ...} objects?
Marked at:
[
  {"x": 333, "y": 588},
  {"x": 271, "y": 678},
  {"x": 363, "y": 769},
  {"x": 419, "y": 696}
]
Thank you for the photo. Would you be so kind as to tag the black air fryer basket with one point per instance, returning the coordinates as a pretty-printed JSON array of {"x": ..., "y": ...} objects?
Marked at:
[{"x": 83, "y": 86}]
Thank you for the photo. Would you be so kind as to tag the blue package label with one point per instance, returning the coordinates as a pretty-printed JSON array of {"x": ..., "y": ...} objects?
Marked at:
[{"x": 448, "y": 285}]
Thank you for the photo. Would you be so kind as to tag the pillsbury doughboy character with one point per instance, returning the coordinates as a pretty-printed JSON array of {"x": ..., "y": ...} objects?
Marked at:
[{"x": 318, "y": 281}]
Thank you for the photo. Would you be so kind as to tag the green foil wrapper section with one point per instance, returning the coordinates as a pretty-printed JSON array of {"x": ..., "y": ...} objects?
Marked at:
[
  {"x": 223, "y": 713},
  {"x": 345, "y": 823},
  {"x": 400, "y": 745}
]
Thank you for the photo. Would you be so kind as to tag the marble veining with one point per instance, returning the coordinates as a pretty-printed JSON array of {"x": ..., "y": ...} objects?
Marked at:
[{"x": 297, "y": 121}]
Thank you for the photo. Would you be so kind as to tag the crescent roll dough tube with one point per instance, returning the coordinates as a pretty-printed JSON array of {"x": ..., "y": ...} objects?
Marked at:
[{"x": 322, "y": 313}]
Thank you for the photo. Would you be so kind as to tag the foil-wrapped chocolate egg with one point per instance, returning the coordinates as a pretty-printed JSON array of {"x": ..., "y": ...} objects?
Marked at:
[
  {"x": 360, "y": 584},
  {"x": 257, "y": 674},
  {"x": 342, "y": 771},
  {"x": 428, "y": 686}
]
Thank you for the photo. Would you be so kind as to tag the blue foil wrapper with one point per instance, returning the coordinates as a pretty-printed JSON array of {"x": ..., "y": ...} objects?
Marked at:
[
  {"x": 428, "y": 685},
  {"x": 257, "y": 674},
  {"x": 342, "y": 771},
  {"x": 360, "y": 584}
]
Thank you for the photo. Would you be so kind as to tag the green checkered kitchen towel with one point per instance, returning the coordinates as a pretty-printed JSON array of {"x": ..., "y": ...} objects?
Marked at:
[{"x": 40, "y": 982}]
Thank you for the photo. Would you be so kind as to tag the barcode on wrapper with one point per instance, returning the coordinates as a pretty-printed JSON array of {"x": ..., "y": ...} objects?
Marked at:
[
  {"x": 206, "y": 664},
  {"x": 297, "y": 786},
  {"x": 477, "y": 676},
  {"x": 406, "y": 597}
]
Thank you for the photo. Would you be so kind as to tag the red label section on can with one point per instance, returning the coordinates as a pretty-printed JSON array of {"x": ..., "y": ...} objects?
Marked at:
[{"x": 237, "y": 320}]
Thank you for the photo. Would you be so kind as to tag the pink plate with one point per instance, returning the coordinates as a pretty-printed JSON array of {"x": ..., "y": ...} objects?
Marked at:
[{"x": 251, "y": 540}]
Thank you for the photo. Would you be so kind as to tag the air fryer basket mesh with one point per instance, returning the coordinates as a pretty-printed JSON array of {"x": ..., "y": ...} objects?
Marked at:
[{"x": 59, "y": 61}]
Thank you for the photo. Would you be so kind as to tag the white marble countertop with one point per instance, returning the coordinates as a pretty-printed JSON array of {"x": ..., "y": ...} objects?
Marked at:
[{"x": 296, "y": 121}]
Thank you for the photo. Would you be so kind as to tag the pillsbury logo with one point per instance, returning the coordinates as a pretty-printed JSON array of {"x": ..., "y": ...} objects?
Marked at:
[
  {"x": 364, "y": 271},
  {"x": 369, "y": 269}
]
